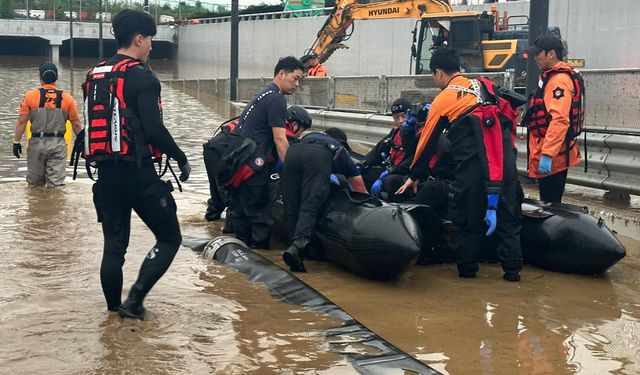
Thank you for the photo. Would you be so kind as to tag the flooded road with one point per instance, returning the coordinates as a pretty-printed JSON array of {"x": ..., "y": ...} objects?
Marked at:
[{"x": 204, "y": 318}]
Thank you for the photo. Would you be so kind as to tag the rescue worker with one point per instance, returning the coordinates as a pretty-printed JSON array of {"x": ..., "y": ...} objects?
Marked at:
[
  {"x": 127, "y": 178},
  {"x": 485, "y": 177},
  {"x": 555, "y": 118},
  {"x": 48, "y": 109},
  {"x": 305, "y": 186},
  {"x": 386, "y": 166},
  {"x": 297, "y": 121},
  {"x": 315, "y": 67},
  {"x": 262, "y": 122}
]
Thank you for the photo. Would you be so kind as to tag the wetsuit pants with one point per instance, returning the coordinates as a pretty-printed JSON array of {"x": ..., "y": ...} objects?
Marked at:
[
  {"x": 305, "y": 187},
  {"x": 120, "y": 188},
  {"x": 215, "y": 204},
  {"x": 391, "y": 184},
  {"x": 467, "y": 208},
  {"x": 251, "y": 210},
  {"x": 552, "y": 187}
]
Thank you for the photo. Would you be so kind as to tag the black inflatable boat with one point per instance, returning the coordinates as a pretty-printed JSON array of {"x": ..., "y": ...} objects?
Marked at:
[
  {"x": 381, "y": 240},
  {"x": 556, "y": 237},
  {"x": 366, "y": 235}
]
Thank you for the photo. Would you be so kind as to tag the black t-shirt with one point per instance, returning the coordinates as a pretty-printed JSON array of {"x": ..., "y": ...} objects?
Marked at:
[
  {"x": 142, "y": 95},
  {"x": 342, "y": 162},
  {"x": 268, "y": 109}
]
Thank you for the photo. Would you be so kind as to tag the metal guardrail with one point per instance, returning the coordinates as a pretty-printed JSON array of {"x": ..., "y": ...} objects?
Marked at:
[
  {"x": 613, "y": 159},
  {"x": 266, "y": 16},
  {"x": 358, "y": 105}
]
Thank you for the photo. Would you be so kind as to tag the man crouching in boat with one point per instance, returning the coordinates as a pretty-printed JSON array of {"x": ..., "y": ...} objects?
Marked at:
[{"x": 306, "y": 176}]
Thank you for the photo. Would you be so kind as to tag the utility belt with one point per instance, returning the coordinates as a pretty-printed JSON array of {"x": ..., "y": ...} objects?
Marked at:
[{"x": 46, "y": 134}]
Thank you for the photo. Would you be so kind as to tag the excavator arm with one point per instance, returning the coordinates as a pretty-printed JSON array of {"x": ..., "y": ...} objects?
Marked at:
[{"x": 337, "y": 27}]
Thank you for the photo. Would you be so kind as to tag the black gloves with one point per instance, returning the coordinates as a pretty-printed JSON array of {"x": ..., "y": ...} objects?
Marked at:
[
  {"x": 185, "y": 170},
  {"x": 17, "y": 149}
]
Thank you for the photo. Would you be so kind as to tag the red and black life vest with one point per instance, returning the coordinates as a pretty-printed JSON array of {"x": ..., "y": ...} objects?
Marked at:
[
  {"x": 494, "y": 115},
  {"x": 537, "y": 118},
  {"x": 396, "y": 152},
  {"x": 112, "y": 129}
]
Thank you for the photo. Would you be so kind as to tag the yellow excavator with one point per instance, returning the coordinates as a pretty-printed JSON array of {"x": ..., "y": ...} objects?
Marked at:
[{"x": 485, "y": 41}]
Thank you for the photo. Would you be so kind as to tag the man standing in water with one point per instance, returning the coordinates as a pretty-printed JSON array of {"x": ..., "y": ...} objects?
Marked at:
[
  {"x": 124, "y": 133},
  {"x": 48, "y": 109}
]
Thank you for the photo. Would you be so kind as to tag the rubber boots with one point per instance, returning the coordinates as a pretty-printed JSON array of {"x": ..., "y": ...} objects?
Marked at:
[
  {"x": 294, "y": 257},
  {"x": 132, "y": 307}
]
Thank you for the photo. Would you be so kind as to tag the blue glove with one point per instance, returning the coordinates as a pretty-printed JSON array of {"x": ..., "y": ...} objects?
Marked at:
[
  {"x": 490, "y": 216},
  {"x": 376, "y": 188},
  {"x": 545, "y": 165},
  {"x": 410, "y": 122},
  {"x": 333, "y": 179}
]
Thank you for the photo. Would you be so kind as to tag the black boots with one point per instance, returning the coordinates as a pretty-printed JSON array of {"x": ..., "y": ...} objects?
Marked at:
[
  {"x": 511, "y": 276},
  {"x": 294, "y": 257},
  {"x": 132, "y": 307}
]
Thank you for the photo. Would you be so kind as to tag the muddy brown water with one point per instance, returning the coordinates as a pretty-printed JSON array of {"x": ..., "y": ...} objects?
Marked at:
[{"x": 204, "y": 318}]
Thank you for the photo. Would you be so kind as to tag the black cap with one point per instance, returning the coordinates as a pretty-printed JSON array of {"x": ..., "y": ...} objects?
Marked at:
[
  {"x": 48, "y": 72},
  {"x": 546, "y": 42},
  {"x": 339, "y": 135},
  {"x": 400, "y": 105}
]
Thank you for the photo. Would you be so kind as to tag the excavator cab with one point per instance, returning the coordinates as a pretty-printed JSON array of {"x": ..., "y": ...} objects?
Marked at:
[{"x": 480, "y": 46}]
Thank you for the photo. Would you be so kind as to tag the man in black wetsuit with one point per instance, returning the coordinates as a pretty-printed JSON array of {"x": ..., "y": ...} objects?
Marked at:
[
  {"x": 122, "y": 145},
  {"x": 305, "y": 186},
  {"x": 263, "y": 122}
]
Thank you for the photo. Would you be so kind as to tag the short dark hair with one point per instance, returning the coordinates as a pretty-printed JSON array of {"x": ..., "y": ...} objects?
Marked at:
[
  {"x": 559, "y": 53},
  {"x": 445, "y": 59},
  {"x": 128, "y": 23},
  {"x": 288, "y": 64}
]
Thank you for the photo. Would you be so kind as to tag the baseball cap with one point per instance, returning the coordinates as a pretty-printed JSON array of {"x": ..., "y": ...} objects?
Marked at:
[
  {"x": 400, "y": 105},
  {"x": 339, "y": 135},
  {"x": 48, "y": 72},
  {"x": 546, "y": 42}
]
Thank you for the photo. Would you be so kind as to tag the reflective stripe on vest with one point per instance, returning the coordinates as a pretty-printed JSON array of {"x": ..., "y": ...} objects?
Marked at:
[{"x": 108, "y": 119}]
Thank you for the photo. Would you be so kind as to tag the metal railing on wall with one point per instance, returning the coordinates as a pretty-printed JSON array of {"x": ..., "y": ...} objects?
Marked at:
[{"x": 358, "y": 105}]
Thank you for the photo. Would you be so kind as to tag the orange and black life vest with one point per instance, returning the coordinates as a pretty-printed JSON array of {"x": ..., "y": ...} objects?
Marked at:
[
  {"x": 537, "y": 118},
  {"x": 112, "y": 129}
]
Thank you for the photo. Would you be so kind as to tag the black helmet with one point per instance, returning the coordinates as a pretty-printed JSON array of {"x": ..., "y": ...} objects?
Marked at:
[{"x": 297, "y": 113}]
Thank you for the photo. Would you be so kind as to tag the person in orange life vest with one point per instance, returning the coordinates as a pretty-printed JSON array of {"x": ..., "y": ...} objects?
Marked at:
[
  {"x": 123, "y": 147},
  {"x": 316, "y": 69},
  {"x": 297, "y": 121},
  {"x": 555, "y": 108},
  {"x": 478, "y": 137},
  {"x": 48, "y": 109},
  {"x": 263, "y": 122},
  {"x": 386, "y": 166}
]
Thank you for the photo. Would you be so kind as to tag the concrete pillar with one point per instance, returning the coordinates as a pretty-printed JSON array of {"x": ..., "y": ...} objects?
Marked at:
[{"x": 55, "y": 53}]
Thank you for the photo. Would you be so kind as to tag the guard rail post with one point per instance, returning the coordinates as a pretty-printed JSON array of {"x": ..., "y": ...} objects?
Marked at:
[
  {"x": 383, "y": 94},
  {"x": 331, "y": 93}
]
